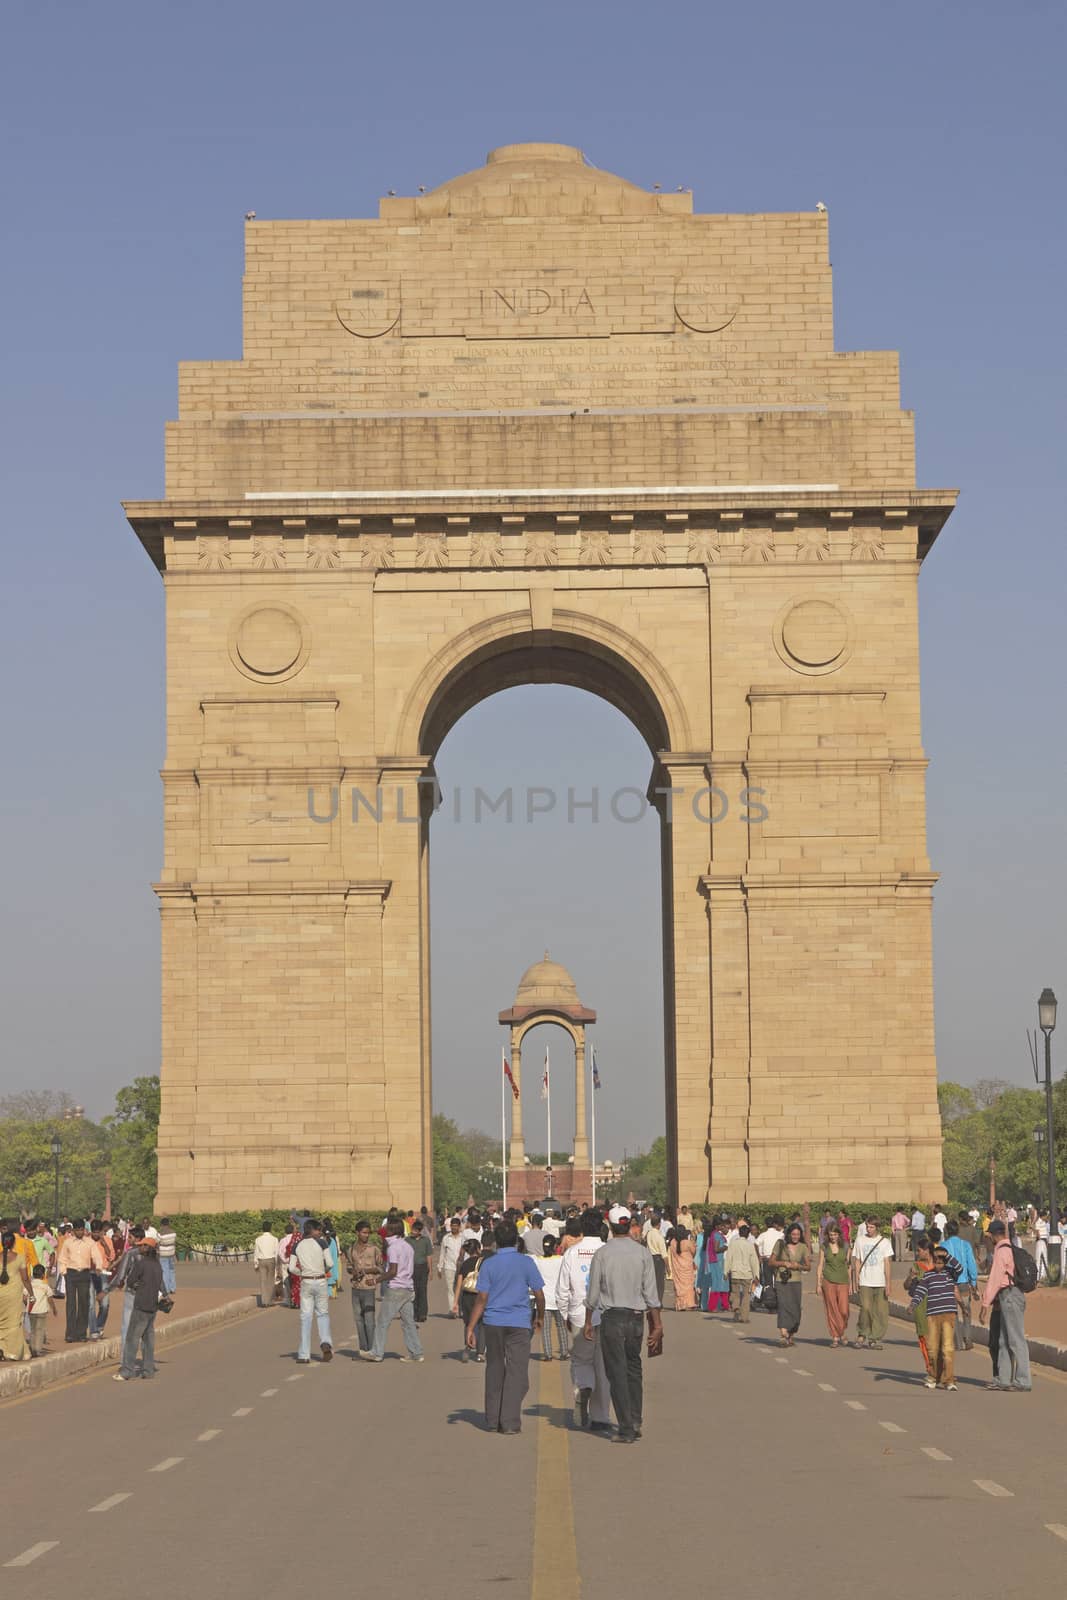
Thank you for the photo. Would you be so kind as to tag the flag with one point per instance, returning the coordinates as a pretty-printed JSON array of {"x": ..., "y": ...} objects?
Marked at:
[
  {"x": 511, "y": 1080},
  {"x": 544, "y": 1082},
  {"x": 596, "y": 1073}
]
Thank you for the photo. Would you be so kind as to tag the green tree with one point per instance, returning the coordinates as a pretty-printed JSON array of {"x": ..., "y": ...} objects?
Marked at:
[
  {"x": 133, "y": 1130},
  {"x": 645, "y": 1175}
]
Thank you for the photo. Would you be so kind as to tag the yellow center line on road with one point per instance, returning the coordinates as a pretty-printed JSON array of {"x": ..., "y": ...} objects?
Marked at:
[{"x": 555, "y": 1554}]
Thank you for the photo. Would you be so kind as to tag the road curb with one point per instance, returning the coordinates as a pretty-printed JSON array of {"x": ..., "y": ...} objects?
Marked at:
[{"x": 24, "y": 1377}]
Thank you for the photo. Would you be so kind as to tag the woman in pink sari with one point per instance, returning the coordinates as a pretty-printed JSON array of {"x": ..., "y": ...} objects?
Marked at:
[{"x": 683, "y": 1270}]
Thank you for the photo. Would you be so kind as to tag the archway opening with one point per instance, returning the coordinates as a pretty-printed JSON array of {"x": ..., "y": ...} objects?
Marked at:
[{"x": 545, "y": 838}]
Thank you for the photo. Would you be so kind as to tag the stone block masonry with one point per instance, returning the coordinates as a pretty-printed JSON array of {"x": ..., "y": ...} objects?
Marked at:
[{"x": 542, "y": 425}]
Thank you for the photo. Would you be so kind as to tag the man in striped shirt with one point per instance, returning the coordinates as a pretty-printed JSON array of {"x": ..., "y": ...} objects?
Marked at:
[{"x": 938, "y": 1290}]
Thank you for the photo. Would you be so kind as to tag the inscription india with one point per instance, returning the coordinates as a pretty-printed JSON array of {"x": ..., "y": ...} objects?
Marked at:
[{"x": 534, "y": 300}]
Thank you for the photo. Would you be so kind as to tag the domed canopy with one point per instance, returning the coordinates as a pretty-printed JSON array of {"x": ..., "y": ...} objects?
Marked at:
[
  {"x": 547, "y": 986},
  {"x": 546, "y": 982}
]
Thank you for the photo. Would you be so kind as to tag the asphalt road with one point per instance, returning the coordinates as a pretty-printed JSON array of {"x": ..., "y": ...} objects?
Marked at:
[{"x": 761, "y": 1473}]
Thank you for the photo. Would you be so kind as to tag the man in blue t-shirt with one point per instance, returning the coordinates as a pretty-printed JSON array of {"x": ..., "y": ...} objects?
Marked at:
[
  {"x": 506, "y": 1280},
  {"x": 966, "y": 1284}
]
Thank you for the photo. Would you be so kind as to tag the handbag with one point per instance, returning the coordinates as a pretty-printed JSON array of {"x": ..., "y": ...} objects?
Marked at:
[{"x": 166, "y": 1305}]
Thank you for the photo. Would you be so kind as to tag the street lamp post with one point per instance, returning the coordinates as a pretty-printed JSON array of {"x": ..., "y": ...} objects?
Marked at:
[
  {"x": 56, "y": 1148},
  {"x": 1046, "y": 1021},
  {"x": 1039, "y": 1139}
]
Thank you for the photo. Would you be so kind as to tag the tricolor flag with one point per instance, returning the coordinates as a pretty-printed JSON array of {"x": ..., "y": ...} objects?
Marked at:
[
  {"x": 544, "y": 1081},
  {"x": 511, "y": 1080},
  {"x": 596, "y": 1073}
]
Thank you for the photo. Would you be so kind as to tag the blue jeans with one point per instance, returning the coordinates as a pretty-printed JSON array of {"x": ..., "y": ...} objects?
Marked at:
[
  {"x": 314, "y": 1302},
  {"x": 142, "y": 1332},
  {"x": 1013, "y": 1353},
  {"x": 397, "y": 1303},
  {"x": 169, "y": 1281}
]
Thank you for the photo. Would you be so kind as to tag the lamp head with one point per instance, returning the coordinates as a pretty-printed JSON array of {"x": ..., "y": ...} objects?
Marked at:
[{"x": 1046, "y": 1011}]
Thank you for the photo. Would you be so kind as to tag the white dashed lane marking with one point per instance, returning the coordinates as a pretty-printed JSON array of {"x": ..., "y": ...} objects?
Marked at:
[
  {"x": 1057, "y": 1528},
  {"x": 211, "y": 1433},
  {"x": 997, "y": 1490},
  {"x": 783, "y": 1361},
  {"x": 855, "y": 1405},
  {"x": 827, "y": 1388},
  {"x": 243, "y": 1411},
  {"x": 934, "y": 1454},
  {"x": 32, "y": 1553},
  {"x": 294, "y": 1377},
  {"x": 265, "y": 1394},
  {"x": 801, "y": 1373},
  {"x": 112, "y": 1500},
  {"x": 165, "y": 1466},
  {"x": 892, "y": 1427}
]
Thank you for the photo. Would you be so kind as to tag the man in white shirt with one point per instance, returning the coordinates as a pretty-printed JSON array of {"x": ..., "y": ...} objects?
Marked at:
[
  {"x": 310, "y": 1262},
  {"x": 265, "y": 1262},
  {"x": 168, "y": 1254},
  {"x": 872, "y": 1258},
  {"x": 588, "y": 1375},
  {"x": 918, "y": 1223},
  {"x": 657, "y": 1244},
  {"x": 940, "y": 1221},
  {"x": 447, "y": 1260}
]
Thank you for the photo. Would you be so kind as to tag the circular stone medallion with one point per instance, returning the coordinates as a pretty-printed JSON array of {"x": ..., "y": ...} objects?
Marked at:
[
  {"x": 269, "y": 642},
  {"x": 813, "y": 636}
]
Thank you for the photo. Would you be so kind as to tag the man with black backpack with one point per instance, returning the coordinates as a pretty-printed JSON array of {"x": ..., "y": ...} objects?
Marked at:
[{"x": 1012, "y": 1274}]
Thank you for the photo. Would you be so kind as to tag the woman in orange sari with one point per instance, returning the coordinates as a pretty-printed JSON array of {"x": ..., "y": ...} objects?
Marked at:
[{"x": 682, "y": 1252}]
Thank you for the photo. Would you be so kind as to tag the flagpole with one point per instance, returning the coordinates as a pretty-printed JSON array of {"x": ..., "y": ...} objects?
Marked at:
[
  {"x": 503, "y": 1132},
  {"x": 592, "y": 1114},
  {"x": 548, "y": 1107}
]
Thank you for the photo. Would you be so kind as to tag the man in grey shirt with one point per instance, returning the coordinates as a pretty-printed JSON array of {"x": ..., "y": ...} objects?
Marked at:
[
  {"x": 622, "y": 1287},
  {"x": 533, "y": 1239}
]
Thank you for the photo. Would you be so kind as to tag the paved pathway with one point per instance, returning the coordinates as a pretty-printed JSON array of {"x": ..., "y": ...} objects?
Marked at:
[{"x": 237, "y": 1473}]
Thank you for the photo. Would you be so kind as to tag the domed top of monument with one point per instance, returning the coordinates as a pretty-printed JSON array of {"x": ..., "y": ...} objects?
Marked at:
[
  {"x": 538, "y": 180},
  {"x": 546, "y": 983},
  {"x": 547, "y": 986}
]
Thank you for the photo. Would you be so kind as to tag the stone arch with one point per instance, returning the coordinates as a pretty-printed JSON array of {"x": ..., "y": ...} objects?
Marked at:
[{"x": 580, "y": 651}]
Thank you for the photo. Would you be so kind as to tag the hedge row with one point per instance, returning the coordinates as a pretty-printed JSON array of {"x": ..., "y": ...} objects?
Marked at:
[{"x": 238, "y": 1229}]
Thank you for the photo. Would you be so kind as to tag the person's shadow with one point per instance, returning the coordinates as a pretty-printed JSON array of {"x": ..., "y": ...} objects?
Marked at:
[{"x": 474, "y": 1419}]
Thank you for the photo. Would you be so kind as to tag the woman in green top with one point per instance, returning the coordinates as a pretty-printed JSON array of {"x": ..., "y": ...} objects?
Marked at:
[
  {"x": 789, "y": 1258},
  {"x": 831, "y": 1281}
]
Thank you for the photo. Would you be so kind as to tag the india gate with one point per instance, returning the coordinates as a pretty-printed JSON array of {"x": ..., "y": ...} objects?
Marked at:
[{"x": 540, "y": 425}]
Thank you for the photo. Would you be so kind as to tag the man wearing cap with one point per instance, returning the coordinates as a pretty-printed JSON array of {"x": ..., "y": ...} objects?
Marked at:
[
  {"x": 622, "y": 1287},
  {"x": 1005, "y": 1305},
  {"x": 587, "y": 1359}
]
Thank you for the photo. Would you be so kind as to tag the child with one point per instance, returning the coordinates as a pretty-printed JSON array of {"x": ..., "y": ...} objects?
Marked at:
[
  {"x": 936, "y": 1291},
  {"x": 42, "y": 1297}
]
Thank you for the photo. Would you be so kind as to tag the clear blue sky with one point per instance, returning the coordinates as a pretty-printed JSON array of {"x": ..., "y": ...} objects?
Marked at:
[{"x": 135, "y": 139}]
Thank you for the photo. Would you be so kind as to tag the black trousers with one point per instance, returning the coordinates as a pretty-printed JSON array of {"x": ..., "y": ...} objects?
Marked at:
[
  {"x": 421, "y": 1276},
  {"x": 621, "y": 1333},
  {"x": 507, "y": 1376},
  {"x": 78, "y": 1305},
  {"x": 659, "y": 1267}
]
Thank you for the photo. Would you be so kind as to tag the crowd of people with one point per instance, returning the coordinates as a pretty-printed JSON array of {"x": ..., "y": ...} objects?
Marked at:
[
  {"x": 538, "y": 1277},
  {"x": 79, "y": 1264},
  {"x": 589, "y": 1284}
]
